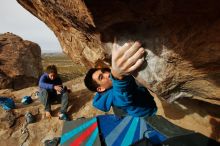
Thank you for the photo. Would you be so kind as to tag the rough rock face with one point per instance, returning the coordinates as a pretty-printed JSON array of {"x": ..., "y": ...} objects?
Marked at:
[
  {"x": 181, "y": 38},
  {"x": 20, "y": 62}
]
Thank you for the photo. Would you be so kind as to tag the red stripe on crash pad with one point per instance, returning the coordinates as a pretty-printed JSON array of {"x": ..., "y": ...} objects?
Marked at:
[{"x": 84, "y": 135}]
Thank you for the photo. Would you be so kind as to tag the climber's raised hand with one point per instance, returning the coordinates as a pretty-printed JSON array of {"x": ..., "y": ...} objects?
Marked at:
[{"x": 126, "y": 59}]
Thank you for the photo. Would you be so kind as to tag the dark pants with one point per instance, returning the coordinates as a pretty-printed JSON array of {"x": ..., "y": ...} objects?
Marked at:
[{"x": 47, "y": 98}]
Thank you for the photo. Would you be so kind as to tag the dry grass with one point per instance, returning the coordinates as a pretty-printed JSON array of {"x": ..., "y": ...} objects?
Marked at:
[{"x": 67, "y": 69}]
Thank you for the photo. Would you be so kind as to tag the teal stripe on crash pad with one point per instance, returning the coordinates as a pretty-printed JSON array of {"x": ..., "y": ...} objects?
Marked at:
[
  {"x": 92, "y": 138},
  {"x": 130, "y": 134},
  {"x": 70, "y": 134}
]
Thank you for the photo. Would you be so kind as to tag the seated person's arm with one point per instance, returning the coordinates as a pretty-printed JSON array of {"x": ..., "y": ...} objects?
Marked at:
[
  {"x": 43, "y": 84},
  {"x": 59, "y": 86}
]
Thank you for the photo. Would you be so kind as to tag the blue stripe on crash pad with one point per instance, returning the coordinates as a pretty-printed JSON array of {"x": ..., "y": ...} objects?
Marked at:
[
  {"x": 143, "y": 128},
  {"x": 68, "y": 135},
  {"x": 114, "y": 134},
  {"x": 92, "y": 138},
  {"x": 130, "y": 134}
]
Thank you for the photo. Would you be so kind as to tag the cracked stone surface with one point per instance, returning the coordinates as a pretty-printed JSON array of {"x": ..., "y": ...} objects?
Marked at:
[{"x": 181, "y": 38}]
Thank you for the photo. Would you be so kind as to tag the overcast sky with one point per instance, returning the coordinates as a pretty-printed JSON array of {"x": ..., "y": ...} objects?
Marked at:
[{"x": 14, "y": 18}]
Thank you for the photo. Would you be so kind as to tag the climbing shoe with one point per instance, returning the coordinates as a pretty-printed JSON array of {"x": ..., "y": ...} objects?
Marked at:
[
  {"x": 53, "y": 142},
  {"x": 29, "y": 118},
  {"x": 64, "y": 117}
]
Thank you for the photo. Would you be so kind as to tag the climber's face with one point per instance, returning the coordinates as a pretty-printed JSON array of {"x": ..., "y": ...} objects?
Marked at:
[{"x": 103, "y": 79}]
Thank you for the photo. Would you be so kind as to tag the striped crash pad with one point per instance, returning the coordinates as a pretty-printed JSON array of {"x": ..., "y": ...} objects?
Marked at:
[
  {"x": 108, "y": 130},
  {"x": 114, "y": 131}
]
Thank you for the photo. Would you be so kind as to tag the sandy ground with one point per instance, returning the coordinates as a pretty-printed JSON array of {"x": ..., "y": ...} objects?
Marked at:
[{"x": 191, "y": 114}]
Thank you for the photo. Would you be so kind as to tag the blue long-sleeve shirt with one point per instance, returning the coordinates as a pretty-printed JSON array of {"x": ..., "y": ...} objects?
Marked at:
[
  {"x": 126, "y": 95},
  {"x": 46, "y": 83}
]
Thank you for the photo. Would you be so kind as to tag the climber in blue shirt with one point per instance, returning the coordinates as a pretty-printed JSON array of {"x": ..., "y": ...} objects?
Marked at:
[{"x": 117, "y": 88}]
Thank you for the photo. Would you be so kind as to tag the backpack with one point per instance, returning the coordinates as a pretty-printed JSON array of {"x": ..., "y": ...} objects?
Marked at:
[{"x": 7, "y": 103}]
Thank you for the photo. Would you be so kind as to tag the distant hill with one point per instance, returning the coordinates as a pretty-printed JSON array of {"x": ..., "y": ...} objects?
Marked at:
[
  {"x": 53, "y": 54},
  {"x": 66, "y": 67}
]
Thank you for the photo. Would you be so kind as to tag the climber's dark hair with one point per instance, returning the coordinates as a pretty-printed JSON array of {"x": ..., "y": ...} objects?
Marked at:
[
  {"x": 51, "y": 69},
  {"x": 88, "y": 80}
]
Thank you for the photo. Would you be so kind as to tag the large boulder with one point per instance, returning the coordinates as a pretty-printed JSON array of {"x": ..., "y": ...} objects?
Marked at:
[
  {"x": 181, "y": 38},
  {"x": 20, "y": 62}
]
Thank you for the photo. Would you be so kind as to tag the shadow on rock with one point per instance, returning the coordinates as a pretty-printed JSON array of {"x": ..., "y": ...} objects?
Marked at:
[
  {"x": 186, "y": 106},
  {"x": 215, "y": 128}
]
